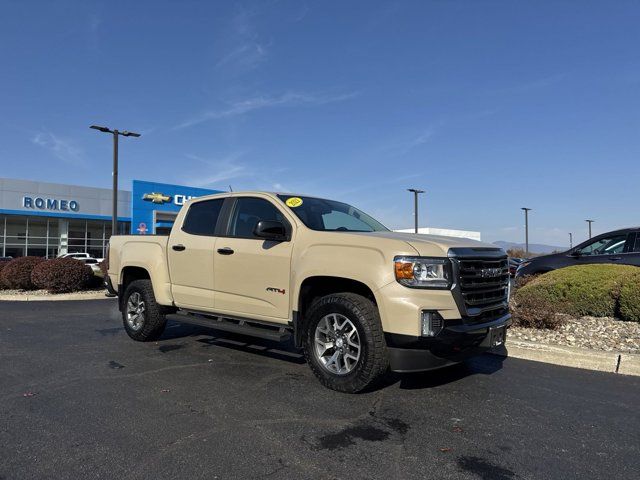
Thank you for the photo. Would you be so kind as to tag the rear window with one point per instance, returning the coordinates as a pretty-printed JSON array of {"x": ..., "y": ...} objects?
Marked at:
[{"x": 202, "y": 217}]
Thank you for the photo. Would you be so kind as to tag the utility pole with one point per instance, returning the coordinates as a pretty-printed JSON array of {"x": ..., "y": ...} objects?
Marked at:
[
  {"x": 415, "y": 205},
  {"x": 115, "y": 133},
  {"x": 570, "y": 240},
  {"x": 589, "y": 222},
  {"x": 526, "y": 229}
]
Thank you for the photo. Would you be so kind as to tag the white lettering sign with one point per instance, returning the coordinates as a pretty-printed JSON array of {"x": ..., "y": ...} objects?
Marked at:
[{"x": 180, "y": 199}]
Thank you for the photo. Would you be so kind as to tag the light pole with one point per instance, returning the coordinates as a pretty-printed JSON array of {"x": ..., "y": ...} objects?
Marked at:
[
  {"x": 415, "y": 205},
  {"x": 115, "y": 133},
  {"x": 526, "y": 229},
  {"x": 589, "y": 222},
  {"x": 570, "y": 240}
]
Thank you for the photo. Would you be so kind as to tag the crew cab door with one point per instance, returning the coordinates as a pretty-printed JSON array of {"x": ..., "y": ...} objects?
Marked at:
[
  {"x": 251, "y": 274},
  {"x": 632, "y": 256},
  {"x": 191, "y": 254}
]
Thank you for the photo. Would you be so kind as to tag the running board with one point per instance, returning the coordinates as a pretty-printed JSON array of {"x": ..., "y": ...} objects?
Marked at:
[{"x": 276, "y": 333}]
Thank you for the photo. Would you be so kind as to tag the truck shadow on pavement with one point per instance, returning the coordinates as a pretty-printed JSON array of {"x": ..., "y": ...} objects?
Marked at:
[
  {"x": 486, "y": 364},
  {"x": 234, "y": 341},
  {"x": 481, "y": 365}
]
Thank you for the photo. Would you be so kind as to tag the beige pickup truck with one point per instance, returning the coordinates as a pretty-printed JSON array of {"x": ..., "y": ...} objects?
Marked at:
[{"x": 357, "y": 298}]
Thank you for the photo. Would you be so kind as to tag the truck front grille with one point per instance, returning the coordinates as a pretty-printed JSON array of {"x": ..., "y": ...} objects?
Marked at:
[
  {"x": 484, "y": 282},
  {"x": 482, "y": 285}
]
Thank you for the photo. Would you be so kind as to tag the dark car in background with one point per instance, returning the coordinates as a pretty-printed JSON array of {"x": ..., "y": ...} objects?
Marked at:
[
  {"x": 618, "y": 247},
  {"x": 514, "y": 263}
]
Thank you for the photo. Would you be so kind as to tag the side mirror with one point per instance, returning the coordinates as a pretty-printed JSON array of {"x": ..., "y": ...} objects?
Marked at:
[
  {"x": 270, "y": 230},
  {"x": 575, "y": 254}
]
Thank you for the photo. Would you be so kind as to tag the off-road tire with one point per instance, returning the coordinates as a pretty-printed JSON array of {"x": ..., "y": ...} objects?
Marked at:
[
  {"x": 154, "y": 315},
  {"x": 374, "y": 360}
]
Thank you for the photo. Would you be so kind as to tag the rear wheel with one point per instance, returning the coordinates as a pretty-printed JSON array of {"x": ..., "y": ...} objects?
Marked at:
[
  {"x": 344, "y": 343},
  {"x": 143, "y": 318}
]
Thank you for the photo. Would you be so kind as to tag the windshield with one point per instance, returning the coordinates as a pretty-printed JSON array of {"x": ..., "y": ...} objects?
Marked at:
[{"x": 331, "y": 216}]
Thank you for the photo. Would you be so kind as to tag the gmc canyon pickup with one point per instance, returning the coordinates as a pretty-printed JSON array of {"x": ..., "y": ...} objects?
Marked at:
[{"x": 357, "y": 298}]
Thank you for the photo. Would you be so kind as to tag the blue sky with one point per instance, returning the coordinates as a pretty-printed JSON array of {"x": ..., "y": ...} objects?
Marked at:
[{"x": 487, "y": 105}]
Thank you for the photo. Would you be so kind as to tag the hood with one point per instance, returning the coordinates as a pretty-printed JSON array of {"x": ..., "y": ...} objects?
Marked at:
[{"x": 430, "y": 245}]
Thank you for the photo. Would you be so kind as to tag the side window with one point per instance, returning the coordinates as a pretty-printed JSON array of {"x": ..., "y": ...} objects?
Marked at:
[
  {"x": 248, "y": 212},
  {"x": 636, "y": 247},
  {"x": 202, "y": 217},
  {"x": 605, "y": 246}
]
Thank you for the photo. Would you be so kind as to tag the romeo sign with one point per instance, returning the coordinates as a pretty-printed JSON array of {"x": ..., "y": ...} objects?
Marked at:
[{"x": 51, "y": 204}]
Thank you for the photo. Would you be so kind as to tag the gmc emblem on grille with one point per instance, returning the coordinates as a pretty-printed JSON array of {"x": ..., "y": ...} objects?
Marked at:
[{"x": 490, "y": 272}]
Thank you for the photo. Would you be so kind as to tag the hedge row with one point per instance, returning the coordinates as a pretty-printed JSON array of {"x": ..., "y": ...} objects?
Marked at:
[
  {"x": 59, "y": 275},
  {"x": 594, "y": 290},
  {"x": 16, "y": 274},
  {"x": 62, "y": 275},
  {"x": 3, "y": 263}
]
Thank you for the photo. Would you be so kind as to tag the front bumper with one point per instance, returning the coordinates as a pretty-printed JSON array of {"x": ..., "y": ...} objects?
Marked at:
[{"x": 455, "y": 343}]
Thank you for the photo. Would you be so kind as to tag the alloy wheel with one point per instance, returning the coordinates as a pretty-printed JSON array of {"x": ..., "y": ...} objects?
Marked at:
[
  {"x": 135, "y": 311},
  {"x": 337, "y": 344}
]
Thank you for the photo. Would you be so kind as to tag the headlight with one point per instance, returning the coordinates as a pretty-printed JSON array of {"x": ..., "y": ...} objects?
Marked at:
[{"x": 423, "y": 272}]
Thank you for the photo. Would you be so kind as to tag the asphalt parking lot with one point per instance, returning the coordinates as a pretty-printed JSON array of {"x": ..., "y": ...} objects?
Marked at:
[{"x": 79, "y": 399}]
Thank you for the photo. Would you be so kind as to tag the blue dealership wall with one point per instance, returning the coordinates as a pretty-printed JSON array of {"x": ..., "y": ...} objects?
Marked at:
[{"x": 147, "y": 197}]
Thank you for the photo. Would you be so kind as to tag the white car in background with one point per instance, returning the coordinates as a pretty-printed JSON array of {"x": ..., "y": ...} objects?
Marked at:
[
  {"x": 79, "y": 256},
  {"x": 94, "y": 263}
]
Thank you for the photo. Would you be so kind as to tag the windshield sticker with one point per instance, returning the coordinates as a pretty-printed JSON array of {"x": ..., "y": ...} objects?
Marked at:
[{"x": 294, "y": 202}]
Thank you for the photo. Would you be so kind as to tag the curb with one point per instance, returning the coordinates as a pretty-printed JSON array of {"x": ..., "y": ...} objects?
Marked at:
[
  {"x": 54, "y": 297},
  {"x": 612, "y": 362}
]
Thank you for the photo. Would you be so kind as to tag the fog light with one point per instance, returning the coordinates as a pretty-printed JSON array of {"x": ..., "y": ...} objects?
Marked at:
[{"x": 431, "y": 323}]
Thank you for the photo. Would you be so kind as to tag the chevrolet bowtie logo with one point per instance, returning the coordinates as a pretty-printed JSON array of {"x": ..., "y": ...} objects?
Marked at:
[{"x": 156, "y": 198}]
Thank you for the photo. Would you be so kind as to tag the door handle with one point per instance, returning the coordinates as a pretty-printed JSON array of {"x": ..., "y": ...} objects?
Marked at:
[
  {"x": 615, "y": 258},
  {"x": 225, "y": 251},
  {"x": 179, "y": 248}
]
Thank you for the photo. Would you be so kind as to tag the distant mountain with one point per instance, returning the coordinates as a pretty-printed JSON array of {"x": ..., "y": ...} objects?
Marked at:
[{"x": 533, "y": 247}]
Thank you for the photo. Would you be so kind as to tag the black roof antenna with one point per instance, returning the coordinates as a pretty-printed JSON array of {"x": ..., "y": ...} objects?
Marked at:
[{"x": 230, "y": 189}]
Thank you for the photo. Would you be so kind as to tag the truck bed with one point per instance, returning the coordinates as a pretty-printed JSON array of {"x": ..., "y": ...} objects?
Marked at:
[{"x": 145, "y": 251}]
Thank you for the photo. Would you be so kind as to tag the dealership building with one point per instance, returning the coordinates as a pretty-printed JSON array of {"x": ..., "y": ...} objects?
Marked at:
[{"x": 49, "y": 219}]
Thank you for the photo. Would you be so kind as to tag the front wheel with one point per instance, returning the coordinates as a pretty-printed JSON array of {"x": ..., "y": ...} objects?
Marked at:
[
  {"x": 143, "y": 318},
  {"x": 344, "y": 342}
]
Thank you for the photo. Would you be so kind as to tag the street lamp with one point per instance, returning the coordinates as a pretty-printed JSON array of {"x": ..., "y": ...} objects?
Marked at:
[
  {"x": 526, "y": 229},
  {"x": 589, "y": 222},
  {"x": 115, "y": 133},
  {"x": 415, "y": 205}
]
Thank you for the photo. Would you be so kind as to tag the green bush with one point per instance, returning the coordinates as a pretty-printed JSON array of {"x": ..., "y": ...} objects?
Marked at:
[
  {"x": 629, "y": 301},
  {"x": 62, "y": 275},
  {"x": 17, "y": 273},
  {"x": 580, "y": 290}
]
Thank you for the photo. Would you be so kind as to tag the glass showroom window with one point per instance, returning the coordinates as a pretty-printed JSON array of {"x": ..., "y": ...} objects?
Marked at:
[
  {"x": 16, "y": 236},
  {"x": 96, "y": 239},
  {"x": 37, "y": 236},
  {"x": 77, "y": 236},
  {"x": 3, "y": 234},
  {"x": 53, "y": 237}
]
